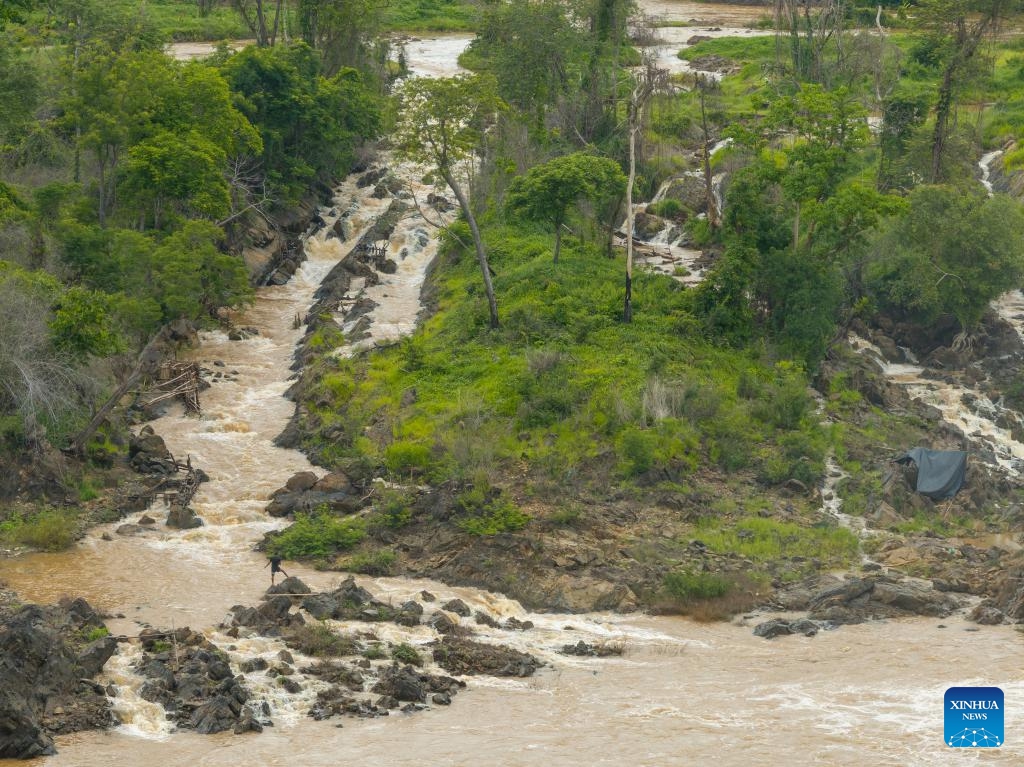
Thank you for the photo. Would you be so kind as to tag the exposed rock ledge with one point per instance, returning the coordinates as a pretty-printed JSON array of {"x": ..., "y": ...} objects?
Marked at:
[{"x": 48, "y": 658}]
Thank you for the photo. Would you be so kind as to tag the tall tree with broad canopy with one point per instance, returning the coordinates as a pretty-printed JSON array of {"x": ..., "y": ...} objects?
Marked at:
[
  {"x": 442, "y": 123},
  {"x": 549, "y": 191},
  {"x": 951, "y": 254}
]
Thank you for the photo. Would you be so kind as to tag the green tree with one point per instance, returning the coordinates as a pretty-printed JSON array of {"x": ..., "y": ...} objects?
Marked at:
[
  {"x": 310, "y": 125},
  {"x": 549, "y": 191},
  {"x": 182, "y": 172},
  {"x": 84, "y": 324},
  {"x": 341, "y": 30},
  {"x": 193, "y": 278},
  {"x": 951, "y": 254},
  {"x": 534, "y": 52},
  {"x": 954, "y": 31},
  {"x": 263, "y": 17},
  {"x": 441, "y": 123}
]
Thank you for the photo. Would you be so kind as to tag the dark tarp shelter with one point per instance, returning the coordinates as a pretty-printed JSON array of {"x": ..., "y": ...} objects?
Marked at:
[{"x": 940, "y": 473}]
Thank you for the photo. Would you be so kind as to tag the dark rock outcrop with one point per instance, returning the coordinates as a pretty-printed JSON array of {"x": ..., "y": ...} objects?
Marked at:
[
  {"x": 183, "y": 518},
  {"x": 459, "y": 655},
  {"x": 192, "y": 680},
  {"x": 777, "y": 627},
  {"x": 860, "y": 599},
  {"x": 46, "y": 660},
  {"x": 408, "y": 684},
  {"x": 148, "y": 454}
]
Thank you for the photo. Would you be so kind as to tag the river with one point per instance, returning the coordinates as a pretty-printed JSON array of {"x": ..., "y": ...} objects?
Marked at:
[{"x": 682, "y": 693}]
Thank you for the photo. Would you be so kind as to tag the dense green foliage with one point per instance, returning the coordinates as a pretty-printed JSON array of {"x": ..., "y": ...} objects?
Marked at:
[
  {"x": 121, "y": 168},
  {"x": 317, "y": 535}
]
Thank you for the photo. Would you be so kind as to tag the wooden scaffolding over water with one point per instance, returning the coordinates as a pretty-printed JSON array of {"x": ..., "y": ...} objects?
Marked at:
[{"x": 176, "y": 379}]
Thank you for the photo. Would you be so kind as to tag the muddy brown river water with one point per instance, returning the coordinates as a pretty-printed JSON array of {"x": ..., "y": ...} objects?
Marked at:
[{"x": 682, "y": 693}]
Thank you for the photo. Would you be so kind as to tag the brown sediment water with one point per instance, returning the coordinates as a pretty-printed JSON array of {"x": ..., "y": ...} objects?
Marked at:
[{"x": 683, "y": 694}]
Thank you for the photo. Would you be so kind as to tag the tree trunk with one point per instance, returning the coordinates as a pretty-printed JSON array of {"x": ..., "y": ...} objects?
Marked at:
[
  {"x": 627, "y": 307},
  {"x": 101, "y": 209},
  {"x": 942, "y": 110},
  {"x": 709, "y": 179},
  {"x": 145, "y": 360},
  {"x": 478, "y": 243}
]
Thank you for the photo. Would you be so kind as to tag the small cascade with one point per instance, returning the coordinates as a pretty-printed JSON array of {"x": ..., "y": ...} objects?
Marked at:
[
  {"x": 1010, "y": 307},
  {"x": 396, "y": 296},
  {"x": 138, "y": 716},
  {"x": 967, "y": 408},
  {"x": 985, "y": 163}
]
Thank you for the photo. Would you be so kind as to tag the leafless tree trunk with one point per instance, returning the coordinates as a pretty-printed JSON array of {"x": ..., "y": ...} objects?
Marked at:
[
  {"x": 649, "y": 80},
  {"x": 478, "y": 243}
]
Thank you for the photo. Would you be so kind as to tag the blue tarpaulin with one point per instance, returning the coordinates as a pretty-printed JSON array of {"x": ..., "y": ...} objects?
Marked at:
[{"x": 940, "y": 473}]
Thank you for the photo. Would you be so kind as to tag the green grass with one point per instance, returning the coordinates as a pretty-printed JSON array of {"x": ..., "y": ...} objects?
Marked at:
[
  {"x": 45, "y": 530},
  {"x": 405, "y": 653},
  {"x": 430, "y": 15},
  {"x": 320, "y": 641},
  {"x": 563, "y": 384},
  {"x": 177, "y": 20},
  {"x": 369, "y": 563},
  {"x": 764, "y": 540}
]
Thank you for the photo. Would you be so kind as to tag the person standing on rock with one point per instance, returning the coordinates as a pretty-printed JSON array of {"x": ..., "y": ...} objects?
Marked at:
[{"x": 275, "y": 568}]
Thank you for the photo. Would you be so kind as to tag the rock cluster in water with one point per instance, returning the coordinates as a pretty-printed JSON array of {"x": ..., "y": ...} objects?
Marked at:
[
  {"x": 193, "y": 681},
  {"x": 345, "y": 661}
]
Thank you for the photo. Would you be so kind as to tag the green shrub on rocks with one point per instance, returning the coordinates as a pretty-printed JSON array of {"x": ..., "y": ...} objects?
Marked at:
[
  {"x": 320, "y": 641},
  {"x": 405, "y": 653},
  {"x": 404, "y": 458},
  {"x": 688, "y": 587},
  {"x": 319, "y": 534},
  {"x": 371, "y": 563},
  {"x": 485, "y": 511}
]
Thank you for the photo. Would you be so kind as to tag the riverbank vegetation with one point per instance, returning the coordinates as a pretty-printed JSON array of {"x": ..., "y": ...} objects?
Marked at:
[
  {"x": 843, "y": 195},
  {"x": 844, "y": 177},
  {"x": 128, "y": 181}
]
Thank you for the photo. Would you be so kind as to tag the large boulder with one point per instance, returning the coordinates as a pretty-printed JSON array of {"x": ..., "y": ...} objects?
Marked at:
[
  {"x": 183, "y": 518},
  {"x": 859, "y": 599},
  {"x": 690, "y": 191}
]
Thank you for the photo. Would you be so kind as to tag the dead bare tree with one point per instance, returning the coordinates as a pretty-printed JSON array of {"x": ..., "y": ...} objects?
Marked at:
[
  {"x": 809, "y": 34},
  {"x": 648, "y": 80},
  {"x": 36, "y": 381},
  {"x": 249, "y": 189}
]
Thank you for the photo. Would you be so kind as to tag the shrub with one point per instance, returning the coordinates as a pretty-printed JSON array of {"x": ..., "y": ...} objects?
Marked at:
[
  {"x": 637, "y": 450},
  {"x": 486, "y": 512},
  {"x": 567, "y": 516},
  {"x": 379, "y": 562},
  {"x": 667, "y": 208},
  {"x": 404, "y": 653},
  {"x": 688, "y": 587},
  {"x": 46, "y": 530},
  {"x": 320, "y": 640},
  {"x": 374, "y": 651},
  {"x": 700, "y": 231},
  {"x": 393, "y": 509},
  {"x": 97, "y": 633},
  {"x": 317, "y": 535}
]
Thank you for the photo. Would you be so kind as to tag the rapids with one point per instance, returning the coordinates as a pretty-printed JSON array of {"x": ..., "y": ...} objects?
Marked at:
[{"x": 682, "y": 693}]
